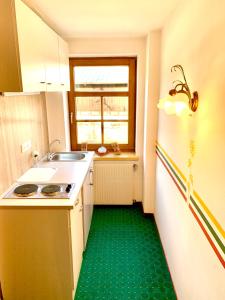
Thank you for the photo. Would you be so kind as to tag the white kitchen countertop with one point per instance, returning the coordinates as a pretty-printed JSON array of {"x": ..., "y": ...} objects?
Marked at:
[{"x": 67, "y": 172}]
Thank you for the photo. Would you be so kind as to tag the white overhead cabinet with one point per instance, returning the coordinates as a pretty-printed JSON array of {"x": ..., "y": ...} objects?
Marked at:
[
  {"x": 34, "y": 50},
  {"x": 63, "y": 65}
]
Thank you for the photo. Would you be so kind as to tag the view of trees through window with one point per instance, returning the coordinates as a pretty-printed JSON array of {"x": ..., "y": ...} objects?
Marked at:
[{"x": 102, "y": 102}]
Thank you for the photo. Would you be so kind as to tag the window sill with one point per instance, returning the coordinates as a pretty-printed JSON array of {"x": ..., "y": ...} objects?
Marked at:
[{"x": 124, "y": 156}]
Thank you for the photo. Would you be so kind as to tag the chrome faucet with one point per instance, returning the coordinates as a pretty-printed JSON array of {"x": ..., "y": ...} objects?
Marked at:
[{"x": 50, "y": 154}]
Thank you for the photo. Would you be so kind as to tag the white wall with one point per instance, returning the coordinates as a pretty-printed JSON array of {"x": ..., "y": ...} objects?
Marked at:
[
  {"x": 193, "y": 37},
  {"x": 153, "y": 59},
  {"x": 95, "y": 47}
]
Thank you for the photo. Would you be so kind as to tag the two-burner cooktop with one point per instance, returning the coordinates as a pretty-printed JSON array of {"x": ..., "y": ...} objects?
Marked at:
[{"x": 40, "y": 191}]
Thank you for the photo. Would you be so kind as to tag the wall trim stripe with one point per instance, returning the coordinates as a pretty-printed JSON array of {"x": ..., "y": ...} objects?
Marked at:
[
  {"x": 213, "y": 219},
  {"x": 208, "y": 238},
  {"x": 172, "y": 162},
  {"x": 198, "y": 208},
  {"x": 212, "y": 231},
  {"x": 174, "y": 180},
  {"x": 173, "y": 171}
]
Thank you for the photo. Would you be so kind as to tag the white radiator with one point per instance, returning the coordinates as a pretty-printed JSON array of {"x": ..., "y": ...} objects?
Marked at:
[{"x": 113, "y": 182}]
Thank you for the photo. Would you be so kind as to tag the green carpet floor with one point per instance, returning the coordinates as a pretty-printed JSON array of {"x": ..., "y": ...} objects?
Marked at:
[{"x": 124, "y": 258}]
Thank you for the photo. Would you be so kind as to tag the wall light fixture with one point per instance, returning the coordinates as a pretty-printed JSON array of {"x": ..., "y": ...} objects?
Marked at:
[{"x": 180, "y": 101}]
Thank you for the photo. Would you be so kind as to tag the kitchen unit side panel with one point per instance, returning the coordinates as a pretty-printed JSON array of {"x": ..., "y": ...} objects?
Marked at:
[
  {"x": 10, "y": 76},
  {"x": 88, "y": 202}
]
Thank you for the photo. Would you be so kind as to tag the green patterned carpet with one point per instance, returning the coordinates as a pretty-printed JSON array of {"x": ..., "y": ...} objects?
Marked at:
[{"x": 124, "y": 258}]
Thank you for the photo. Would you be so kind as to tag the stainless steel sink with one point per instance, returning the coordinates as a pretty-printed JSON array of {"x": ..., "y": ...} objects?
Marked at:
[{"x": 67, "y": 156}]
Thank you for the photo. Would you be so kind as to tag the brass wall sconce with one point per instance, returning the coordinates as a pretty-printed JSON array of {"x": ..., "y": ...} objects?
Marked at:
[{"x": 179, "y": 105}]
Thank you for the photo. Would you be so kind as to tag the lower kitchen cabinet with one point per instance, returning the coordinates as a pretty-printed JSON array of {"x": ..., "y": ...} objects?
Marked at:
[{"x": 41, "y": 251}]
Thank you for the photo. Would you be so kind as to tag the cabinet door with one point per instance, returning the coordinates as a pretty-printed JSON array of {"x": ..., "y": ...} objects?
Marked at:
[
  {"x": 77, "y": 238},
  {"x": 64, "y": 65},
  {"x": 87, "y": 203},
  {"x": 50, "y": 42},
  {"x": 30, "y": 29}
]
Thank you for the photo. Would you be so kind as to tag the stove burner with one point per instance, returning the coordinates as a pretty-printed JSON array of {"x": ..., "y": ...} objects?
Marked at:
[
  {"x": 51, "y": 190},
  {"x": 26, "y": 190}
]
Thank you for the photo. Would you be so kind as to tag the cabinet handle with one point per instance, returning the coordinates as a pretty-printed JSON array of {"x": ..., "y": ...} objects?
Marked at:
[
  {"x": 135, "y": 166},
  {"x": 49, "y": 83},
  {"x": 71, "y": 118},
  {"x": 62, "y": 84},
  {"x": 42, "y": 82},
  {"x": 91, "y": 177}
]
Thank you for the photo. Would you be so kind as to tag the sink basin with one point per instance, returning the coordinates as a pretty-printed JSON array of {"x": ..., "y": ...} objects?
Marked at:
[{"x": 67, "y": 156}]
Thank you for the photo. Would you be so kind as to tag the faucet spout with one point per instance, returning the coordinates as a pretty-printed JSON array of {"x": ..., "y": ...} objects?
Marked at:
[{"x": 50, "y": 153}]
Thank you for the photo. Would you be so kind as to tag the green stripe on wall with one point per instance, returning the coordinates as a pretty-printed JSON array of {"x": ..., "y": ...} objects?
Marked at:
[
  {"x": 171, "y": 168},
  {"x": 219, "y": 242},
  {"x": 206, "y": 224}
]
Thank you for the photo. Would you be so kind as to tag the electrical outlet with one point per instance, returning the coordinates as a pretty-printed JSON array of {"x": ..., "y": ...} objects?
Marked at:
[{"x": 26, "y": 146}]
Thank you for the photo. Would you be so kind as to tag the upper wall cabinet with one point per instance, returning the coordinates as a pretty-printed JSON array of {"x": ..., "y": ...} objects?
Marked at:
[
  {"x": 31, "y": 55},
  {"x": 64, "y": 65}
]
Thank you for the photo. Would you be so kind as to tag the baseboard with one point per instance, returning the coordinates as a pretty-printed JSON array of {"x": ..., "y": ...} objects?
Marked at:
[{"x": 135, "y": 203}]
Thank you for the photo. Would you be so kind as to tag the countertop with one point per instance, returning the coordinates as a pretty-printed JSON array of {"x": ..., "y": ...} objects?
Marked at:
[{"x": 67, "y": 172}]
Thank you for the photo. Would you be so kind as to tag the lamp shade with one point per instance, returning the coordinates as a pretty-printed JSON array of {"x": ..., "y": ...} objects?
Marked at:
[
  {"x": 167, "y": 104},
  {"x": 181, "y": 104},
  {"x": 177, "y": 104}
]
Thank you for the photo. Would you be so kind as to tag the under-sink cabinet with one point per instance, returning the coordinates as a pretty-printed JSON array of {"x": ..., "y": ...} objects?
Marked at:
[{"x": 41, "y": 251}]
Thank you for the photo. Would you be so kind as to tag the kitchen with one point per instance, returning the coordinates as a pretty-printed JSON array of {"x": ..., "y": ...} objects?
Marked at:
[{"x": 34, "y": 111}]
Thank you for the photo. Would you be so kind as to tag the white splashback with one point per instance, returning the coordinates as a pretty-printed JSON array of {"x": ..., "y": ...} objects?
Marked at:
[{"x": 58, "y": 120}]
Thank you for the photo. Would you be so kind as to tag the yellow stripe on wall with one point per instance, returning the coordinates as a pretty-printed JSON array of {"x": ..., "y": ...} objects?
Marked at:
[
  {"x": 206, "y": 209},
  {"x": 210, "y": 215},
  {"x": 172, "y": 163}
]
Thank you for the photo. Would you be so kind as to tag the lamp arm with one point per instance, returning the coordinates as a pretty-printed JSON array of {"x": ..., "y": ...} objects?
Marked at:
[
  {"x": 184, "y": 89},
  {"x": 184, "y": 92},
  {"x": 184, "y": 86},
  {"x": 182, "y": 71}
]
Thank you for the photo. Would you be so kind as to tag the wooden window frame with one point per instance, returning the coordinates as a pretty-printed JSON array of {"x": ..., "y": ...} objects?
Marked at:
[{"x": 104, "y": 61}]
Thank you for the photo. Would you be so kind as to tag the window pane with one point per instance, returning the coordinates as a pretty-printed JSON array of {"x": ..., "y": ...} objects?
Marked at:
[
  {"x": 88, "y": 108},
  {"x": 116, "y": 132},
  {"x": 89, "y": 132},
  {"x": 115, "y": 108},
  {"x": 101, "y": 78}
]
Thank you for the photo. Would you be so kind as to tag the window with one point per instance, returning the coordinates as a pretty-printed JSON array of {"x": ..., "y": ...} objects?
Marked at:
[{"x": 102, "y": 102}]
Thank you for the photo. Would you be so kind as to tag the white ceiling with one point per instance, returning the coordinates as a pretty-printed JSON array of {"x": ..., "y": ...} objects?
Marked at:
[{"x": 104, "y": 18}]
